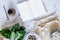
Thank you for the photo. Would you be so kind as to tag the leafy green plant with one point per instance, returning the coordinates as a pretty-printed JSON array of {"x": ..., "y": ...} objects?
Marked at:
[{"x": 16, "y": 33}]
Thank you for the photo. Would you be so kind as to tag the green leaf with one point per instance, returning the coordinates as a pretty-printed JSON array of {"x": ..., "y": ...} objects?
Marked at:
[
  {"x": 13, "y": 36},
  {"x": 18, "y": 35},
  {"x": 6, "y": 33},
  {"x": 16, "y": 26}
]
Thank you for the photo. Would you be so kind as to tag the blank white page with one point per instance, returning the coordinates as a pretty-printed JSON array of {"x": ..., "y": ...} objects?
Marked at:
[
  {"x": 25, "y": 11},
  {"x": 37, "y": 8}
]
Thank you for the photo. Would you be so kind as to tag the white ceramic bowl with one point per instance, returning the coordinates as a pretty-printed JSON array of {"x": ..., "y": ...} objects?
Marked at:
[{"x": 32, "y": 34}]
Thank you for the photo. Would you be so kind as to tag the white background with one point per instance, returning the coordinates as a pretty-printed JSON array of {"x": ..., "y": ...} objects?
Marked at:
[{"x": 32, "y": 8}]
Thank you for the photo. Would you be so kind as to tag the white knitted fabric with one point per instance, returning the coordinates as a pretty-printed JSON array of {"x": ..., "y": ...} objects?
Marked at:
[{"x": 56, "y": 35}]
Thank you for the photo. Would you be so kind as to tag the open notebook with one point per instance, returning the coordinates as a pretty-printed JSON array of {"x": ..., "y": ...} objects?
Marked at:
[{"x": 35, "y": 8}]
